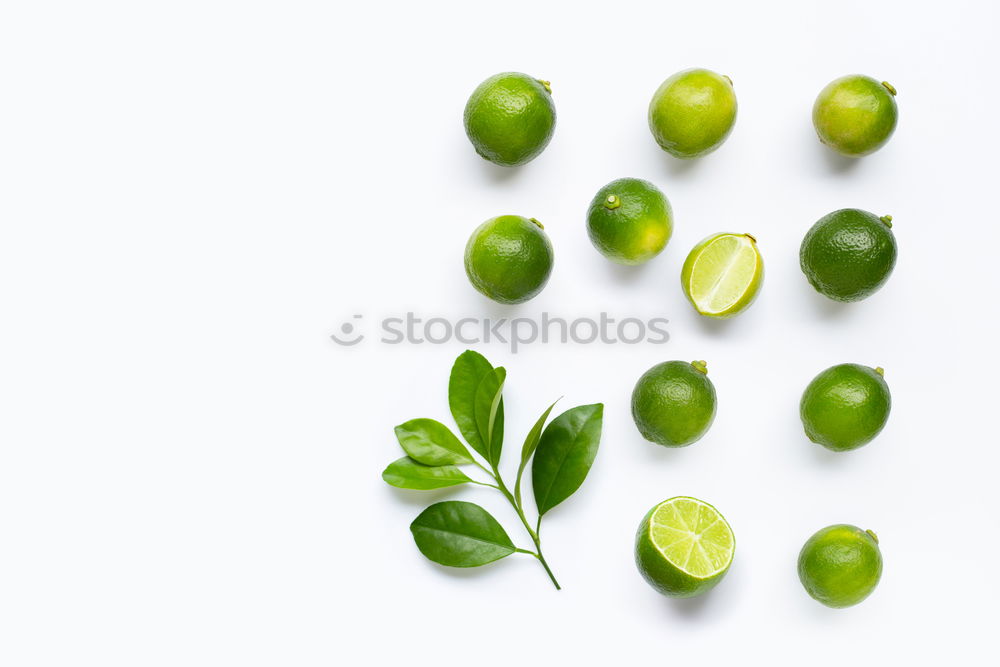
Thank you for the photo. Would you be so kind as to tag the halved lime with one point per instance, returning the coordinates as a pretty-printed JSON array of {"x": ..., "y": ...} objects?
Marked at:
[
  {"x": 684, "y": 547},
  {"x": 723, "y": 274}
]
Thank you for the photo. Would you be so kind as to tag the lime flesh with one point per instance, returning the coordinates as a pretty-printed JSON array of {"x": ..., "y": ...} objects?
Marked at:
[
  {"x": 722, "y": 275},
  {"x": 684, "y": 547}
]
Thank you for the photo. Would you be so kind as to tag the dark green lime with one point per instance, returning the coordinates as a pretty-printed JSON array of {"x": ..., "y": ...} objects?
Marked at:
[{"x": 849, "y": 254}]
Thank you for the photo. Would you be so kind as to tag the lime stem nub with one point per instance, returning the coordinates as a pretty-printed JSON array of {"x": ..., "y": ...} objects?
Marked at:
[
  {"x": 612, "y": 202},
  {"x": 540, "y": 225},
  {"x": 874, "y": 536},
  {"x": 880, "y": 371},
  {"x": 700, "y": 366},
  {"x": 548, "y": 85},
  {"x": 887, "y": 219},
  {"x": 889, "y": 87}
]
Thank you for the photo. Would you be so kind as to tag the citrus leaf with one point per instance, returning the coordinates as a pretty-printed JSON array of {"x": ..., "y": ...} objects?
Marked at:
[
  {"x": 468, "y": 371},
  {"x": 529, "y": 446},
  {"x": 460, "y": 534},
  {"x": 489, "y": 414},
  {"x": 432, "y": 443},
  {"x": 564, "y": 455},
  {"x": 405, "y": 473}
]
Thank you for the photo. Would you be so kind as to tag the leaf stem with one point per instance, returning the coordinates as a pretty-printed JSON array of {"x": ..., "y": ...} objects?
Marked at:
[{"x": 533, "y": 533}]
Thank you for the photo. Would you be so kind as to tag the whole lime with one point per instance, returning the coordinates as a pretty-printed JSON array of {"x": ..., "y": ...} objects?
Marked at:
[
  {"x": 840, "y": 565},
  {"x": 684, "y": 547},
  {"x": 855, "y": 115},
  {"x": 510, "y": 118},
  {"x": 629, "y": 221},
  {"x": 848, "y": 254},
  {"x": 673, "y": 403},
  {"x": 845, "y": 406},
  {"x": 692, "y": 112},
  {"x": 509, "y": 258}
]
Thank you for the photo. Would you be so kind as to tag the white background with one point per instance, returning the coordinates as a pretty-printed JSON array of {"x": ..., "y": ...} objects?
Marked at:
[{"x": 195, "y": 195}]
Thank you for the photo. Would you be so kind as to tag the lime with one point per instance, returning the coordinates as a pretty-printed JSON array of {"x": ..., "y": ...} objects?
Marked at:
[
  {"x": 840, "y": 565},
  {"x": 848, "y": 254},
  {"x": 855, "y": 115},
  {"x": 673, "y": 403},
  {"x": 723, "y": 274},
  {"x": 509, "y": 258},
  {"x": 510, "y": 118},
  {"x": 629, "y": 221},
  {"x": 684, "y": 547},
  {"x": 692, "y": 113},
  {"x": 845, "y": 406}
]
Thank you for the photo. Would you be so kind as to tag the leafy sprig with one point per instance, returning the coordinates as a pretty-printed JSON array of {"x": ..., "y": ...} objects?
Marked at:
[{"x": 463, "y": 534}]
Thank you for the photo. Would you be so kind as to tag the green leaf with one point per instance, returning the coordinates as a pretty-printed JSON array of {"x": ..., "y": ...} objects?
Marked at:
[
  {"x": 405, "y": 473},
  {"x": 469, "y": 370},
  {"x": 460, "y": 534},
  {"x": 565, "y": 453},
  {"x": 431, "y": 443},
  {"x": 489, "y": 414},
  {"x": 528, "y": 448}
]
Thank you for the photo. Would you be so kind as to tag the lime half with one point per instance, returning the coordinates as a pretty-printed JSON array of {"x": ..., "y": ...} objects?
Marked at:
[
  {"x": 684, "y": 547},
  {"x": 723, "y": 274}
]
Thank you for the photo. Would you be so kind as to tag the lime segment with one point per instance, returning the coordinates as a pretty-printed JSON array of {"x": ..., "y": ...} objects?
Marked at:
[
  {"x": 722, "y": 275},
  {"x": 693, "y": 536}
]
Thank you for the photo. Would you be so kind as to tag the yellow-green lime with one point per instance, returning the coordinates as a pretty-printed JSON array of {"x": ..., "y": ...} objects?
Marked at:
[
  {"x": 849, "y": 254},
  {"x": 845, "y": 406},
  {"x": 723, "y": 274},
  {"x": 509, "y": 258},
  {"x": 684, "y": 547},
  {"x": 692, "y": 112},
  {"x": 629, "y": 221},
  {"x": 674, "y": 403},
  {"x": 840, "y": 565},
  {"x": 855, "y": 115},
  {"x": 510, "y": 118}
]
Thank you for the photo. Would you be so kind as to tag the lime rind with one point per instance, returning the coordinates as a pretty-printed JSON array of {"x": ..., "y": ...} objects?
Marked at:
[
  {"x": 723, "y": 274},
  {"x": 692, "y": 536}
]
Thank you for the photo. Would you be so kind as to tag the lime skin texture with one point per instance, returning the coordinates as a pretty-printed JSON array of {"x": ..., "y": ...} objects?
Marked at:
[
  {"x": 509, "y": 258},
  {"x": 692, "y": 113},
  {"x": 510, "y": 118},
  {"x": 674, "y": 403},
  {"x": 845, "y": 406},
  {"x": 849, "y": 254},
  {"x": 840, "y": 565},
  {"x": 629, "y": 221},
  {"x": 855, "y": 115},
  {"x": 663, "y": 575}
]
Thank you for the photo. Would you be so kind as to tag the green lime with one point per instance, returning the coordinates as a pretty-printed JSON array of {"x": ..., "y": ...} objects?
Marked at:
[
  {"x": 510, "y": 118},
  {"x": 684, "y": 547},
  {"x": 673, "y": 403},
  {"x": 855, "y": 115},
  {"x": 509, "y": 258},
  {"x": 845, "y": 406},
  {"x": 848, "y": 254},
  {"x": 722, "y": 275},
  {"x": 629, "y": 221},
  {"x": 692, "y": 112},
  {"x": 840, "y": 565}
]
